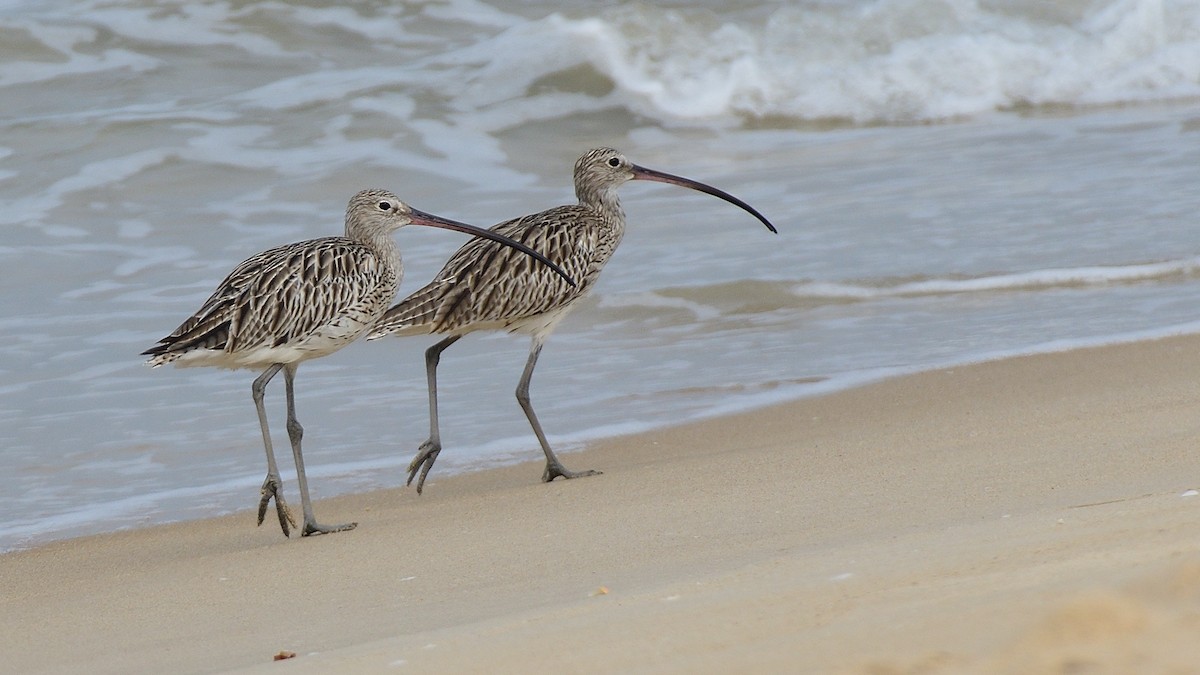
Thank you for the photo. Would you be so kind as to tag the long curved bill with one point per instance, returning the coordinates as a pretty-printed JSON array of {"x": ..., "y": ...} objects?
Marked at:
[
  {"x": 430, "y": 220},
  {"x": 642, "y": 173}
]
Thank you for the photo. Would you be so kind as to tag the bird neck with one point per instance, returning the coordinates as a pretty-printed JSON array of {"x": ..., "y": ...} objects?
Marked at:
[
  {"x": 602, "y": 200},
  {"x": 384, "y": 245}
]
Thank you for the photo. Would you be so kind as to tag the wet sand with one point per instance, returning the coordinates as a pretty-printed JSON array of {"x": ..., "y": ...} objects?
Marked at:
[{"x": 1029, "y": 515}]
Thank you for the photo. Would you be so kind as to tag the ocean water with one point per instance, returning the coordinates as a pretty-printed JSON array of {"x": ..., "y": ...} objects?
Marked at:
[{"x": 953, "y": 180}]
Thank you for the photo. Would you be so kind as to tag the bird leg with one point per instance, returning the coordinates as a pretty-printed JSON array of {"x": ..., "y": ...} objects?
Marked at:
[
  {"x": 295, "y": 433},
  {"x": 554, "y": 468},
  {"x": 428, "y": 452},
  {"x": 272, "y": 487}
]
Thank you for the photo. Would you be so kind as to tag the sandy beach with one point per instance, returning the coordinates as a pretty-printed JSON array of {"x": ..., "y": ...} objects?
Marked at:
[{"x": 1028, "y": 515}]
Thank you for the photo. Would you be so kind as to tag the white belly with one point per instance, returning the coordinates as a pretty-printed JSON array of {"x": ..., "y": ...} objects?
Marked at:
[{"x": 326, "y": 340}]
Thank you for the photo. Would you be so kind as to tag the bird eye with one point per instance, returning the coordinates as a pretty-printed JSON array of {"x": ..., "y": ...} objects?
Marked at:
[
  {"x": 385, "y": 206},
  {"x": 614, "y": 162}
]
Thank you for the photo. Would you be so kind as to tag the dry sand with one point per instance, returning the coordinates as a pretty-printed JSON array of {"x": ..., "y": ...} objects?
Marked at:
[{"x": 1030, "y": 515}]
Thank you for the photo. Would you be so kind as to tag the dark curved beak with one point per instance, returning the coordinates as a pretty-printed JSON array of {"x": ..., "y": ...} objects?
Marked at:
[
  {"x": 642, "y": 173},
  {"x": 430, "y": 220}
]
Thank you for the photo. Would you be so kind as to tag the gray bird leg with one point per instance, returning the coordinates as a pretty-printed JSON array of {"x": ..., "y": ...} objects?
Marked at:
[
  {"x": 428, "y": 452},
  {"x": 272, "y": 487},
  {"x": 554, "y": 468},
  {"x": 295, "y": 433}
]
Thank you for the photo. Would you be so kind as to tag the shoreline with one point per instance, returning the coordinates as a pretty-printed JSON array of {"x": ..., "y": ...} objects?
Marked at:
[
  {"x": 956, "y": 520},
  {"x": 569, "y": 443}
]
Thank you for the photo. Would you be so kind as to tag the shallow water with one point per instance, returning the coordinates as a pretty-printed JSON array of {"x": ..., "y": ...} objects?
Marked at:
[{"x": 951, "y": 180}]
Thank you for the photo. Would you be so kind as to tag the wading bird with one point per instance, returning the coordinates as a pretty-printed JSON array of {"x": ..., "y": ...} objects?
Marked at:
[
  {"x": 482, "y": 287},
  {"x": 302, "y": 301}
]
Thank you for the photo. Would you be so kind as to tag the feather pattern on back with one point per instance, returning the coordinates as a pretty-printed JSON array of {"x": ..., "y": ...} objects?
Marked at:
[
  {"x": 296, "y": 296},
  {"x": 485, "y": 285}
]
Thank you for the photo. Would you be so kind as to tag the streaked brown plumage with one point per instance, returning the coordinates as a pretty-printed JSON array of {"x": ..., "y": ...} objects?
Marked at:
[
  {"x": 297, "y": 302},
  {"x": 482, "y": 286}
]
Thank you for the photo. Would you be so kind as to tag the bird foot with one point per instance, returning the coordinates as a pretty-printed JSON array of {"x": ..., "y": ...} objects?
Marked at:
[
  {"x": 557, "y": 470},
  {"x": 314, "y": 528},
  {"x": 423, "y": 462},
  {"x": 272, "y": 487}
]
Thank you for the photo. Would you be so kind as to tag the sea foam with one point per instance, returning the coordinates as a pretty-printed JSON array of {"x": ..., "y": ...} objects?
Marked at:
[
  {"x": 1031, "y": 280},
  {"x": 883, "y": 61}
]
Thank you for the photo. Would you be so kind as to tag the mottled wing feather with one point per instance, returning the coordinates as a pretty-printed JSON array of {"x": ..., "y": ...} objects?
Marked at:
[
  {"x": 488, "y": 283},
  {"x": 209, "y": 327},
  {"x": 284, "y": 294}
]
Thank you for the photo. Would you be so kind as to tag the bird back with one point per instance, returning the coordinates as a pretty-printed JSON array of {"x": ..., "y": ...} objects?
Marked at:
[
  {"x": 317, "y": 295},
  {"x": 485, "y": 286}
]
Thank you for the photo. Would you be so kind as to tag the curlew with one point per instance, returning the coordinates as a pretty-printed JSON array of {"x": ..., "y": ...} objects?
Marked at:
[
  {"x": 301, "y": 301},
  {"x": 482, "y": 288}
]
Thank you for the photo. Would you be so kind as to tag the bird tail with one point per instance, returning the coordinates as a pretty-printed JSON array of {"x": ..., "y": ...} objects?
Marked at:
[
  {"x": 160, "y": 354},
  {"x": 193, "y": 334},
  {"x": 414, "y": 315}
]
